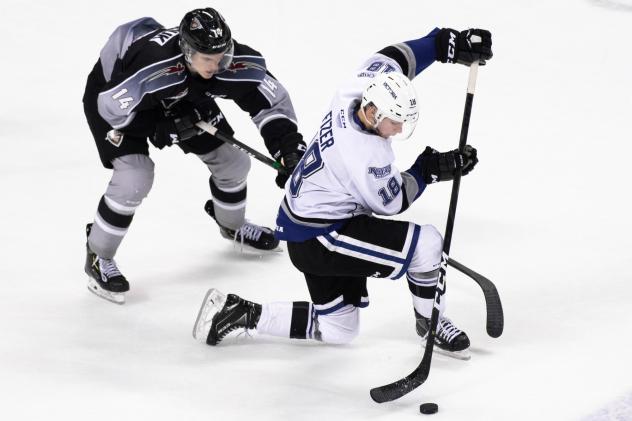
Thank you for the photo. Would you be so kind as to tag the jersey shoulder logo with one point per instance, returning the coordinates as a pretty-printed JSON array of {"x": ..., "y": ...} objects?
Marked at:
[
  {"x": 176, "y": 69},
  {"x": 236, "y": 66},
  {"x": 245, "y": 69}
]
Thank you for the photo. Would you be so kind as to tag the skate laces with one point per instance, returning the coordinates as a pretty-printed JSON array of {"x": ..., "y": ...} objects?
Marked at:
[
  {"x": 108, "y": 268},
  {"x": 247, "y": 231},
  {"x": 250, "y": 231},
  {"x": 447, "y": 330}
]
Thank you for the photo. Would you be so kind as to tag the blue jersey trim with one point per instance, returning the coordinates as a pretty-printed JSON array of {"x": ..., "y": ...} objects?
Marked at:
[
  {"x": 363, "y": 250},
  {"x": 424, "y": 49},
  {"x": 331, "y": 309},
  {"x": 288, "y": 230},
  {"x": 411, "y": 251}
]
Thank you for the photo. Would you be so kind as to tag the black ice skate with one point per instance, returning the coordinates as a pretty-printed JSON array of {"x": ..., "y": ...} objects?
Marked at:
[
  {"x": 220, "y": 314},
  {"x": 254, "y": 236},
  {"x": 105, "y": 280},
  {"x": 449, "y": 340}
]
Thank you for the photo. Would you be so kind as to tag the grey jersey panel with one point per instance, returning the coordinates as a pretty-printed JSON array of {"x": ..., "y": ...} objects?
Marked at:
[
  {"x": 410, "y": 58},
  {"x": 250, "y": 68},
  {"x": 280, "y": 103},
  {"x": 410, "y": 186},
  {"x": 117, "y": 104},
  {"x": 121, "y": 39}
]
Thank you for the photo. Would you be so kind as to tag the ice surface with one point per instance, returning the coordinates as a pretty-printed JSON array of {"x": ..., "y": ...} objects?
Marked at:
[{"x": 546, "y": 216}]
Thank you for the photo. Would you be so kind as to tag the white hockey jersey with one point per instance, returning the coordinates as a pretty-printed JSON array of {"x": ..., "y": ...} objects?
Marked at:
[{"x": 346, "y": 170}]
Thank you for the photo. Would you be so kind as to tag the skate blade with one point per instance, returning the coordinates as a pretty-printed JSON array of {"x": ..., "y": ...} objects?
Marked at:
[
  {"x": 253, "y": 250},
  {"x": 245, "y": 247},
  {"x": 114, "y": 297},
  {"x": 459, "y": 355},
  {"x": 213, "y": 302}
]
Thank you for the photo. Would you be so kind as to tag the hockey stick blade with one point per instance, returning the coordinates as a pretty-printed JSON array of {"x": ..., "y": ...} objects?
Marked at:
[
  {"x": 495, "y": 316},
  {"x": 390, "y": 392},
  {"x": 495, "y": 324},
  {"x": 396, "y": 390}
]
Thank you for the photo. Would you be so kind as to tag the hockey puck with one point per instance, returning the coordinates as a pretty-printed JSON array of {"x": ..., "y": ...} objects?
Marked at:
[{"x": 428, "y": 408}]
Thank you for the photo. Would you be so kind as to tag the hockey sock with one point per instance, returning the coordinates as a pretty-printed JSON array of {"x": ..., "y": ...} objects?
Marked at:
[
  {"x": 285, "y": 319},
  {"x": 422, "y": 288},
  {"x": 110, "y": 226},
  {"x": 229, "y": 205}
]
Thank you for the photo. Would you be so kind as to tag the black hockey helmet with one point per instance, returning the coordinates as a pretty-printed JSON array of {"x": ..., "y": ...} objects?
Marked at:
[{"x": 205, "y": 31}]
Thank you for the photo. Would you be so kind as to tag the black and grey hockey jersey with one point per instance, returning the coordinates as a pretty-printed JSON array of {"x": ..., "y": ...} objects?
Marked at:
[{"x": 145, "y": 73}]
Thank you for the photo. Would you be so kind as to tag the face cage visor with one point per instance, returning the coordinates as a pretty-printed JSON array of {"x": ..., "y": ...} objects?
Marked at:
[
  {"x": 227, "y": 59},
  {"x": 223, "y": 64},
  {"x": 409, "y": 122}
]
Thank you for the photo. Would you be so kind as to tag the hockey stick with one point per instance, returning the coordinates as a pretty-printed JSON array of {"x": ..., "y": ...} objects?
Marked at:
[
  {"x": 495, "y": 318},
  {"x": 213, "y": 131},
  {"x": 409, "y": 383}
]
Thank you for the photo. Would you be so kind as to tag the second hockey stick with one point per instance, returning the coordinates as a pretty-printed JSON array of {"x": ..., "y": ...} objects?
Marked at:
[
  {"x": 495, "y": 317},
  {"x": 213, "y": 131},
  {"x": 409, "y": 383}
]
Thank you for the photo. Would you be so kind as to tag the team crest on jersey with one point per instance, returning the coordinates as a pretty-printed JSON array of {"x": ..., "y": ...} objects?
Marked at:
[
  {"x": 245, "y": 65},
  {"x": 167, "y": 71},
  {"x": 380, "y": 172}
]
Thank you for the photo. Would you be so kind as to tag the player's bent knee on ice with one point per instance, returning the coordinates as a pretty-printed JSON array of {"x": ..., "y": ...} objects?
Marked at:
[
  {"x": 339, "y": 327},
  {"x": 427, "y": 255},
  {"x": 132, "y": 179}
]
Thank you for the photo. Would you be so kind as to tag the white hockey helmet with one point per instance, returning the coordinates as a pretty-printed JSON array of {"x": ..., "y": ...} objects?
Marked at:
[{"x": 394, "y": 96}]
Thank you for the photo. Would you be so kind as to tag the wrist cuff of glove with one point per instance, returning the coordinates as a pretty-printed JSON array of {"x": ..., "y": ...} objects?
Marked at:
[
  {"x": 290, "y": 143},
  {"x": 446, "y": 45},
  {"x": 290, "y": 160},
  {"x": 438, "y": 167}
]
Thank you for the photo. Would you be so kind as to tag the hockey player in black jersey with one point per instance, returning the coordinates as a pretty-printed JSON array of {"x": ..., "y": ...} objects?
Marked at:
[
  {"x": 347, "y": 176},
  {"x": 152, "y": 85}
]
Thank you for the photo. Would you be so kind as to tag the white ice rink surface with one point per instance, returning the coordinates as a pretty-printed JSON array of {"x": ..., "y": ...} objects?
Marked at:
[{"x": 546, "y": 216}]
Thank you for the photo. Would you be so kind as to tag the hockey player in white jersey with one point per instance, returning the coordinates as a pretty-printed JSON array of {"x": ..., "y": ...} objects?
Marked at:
[{"x": 345, "y": 177}]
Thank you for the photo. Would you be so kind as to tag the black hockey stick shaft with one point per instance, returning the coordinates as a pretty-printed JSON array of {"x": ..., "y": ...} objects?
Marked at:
[
  {"x": 495, "y": 317},
  {"x": 224, "y": 137},
  {"x": 403, "y": 386}
]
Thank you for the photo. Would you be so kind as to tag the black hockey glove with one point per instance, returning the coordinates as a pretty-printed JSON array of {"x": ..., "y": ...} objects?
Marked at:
[
  {"x": 435, "y": 166},
  {"x": 291, "y": 152},
  {"x": 464, "y": 47},
  {"x": 177, "y": 125}
]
